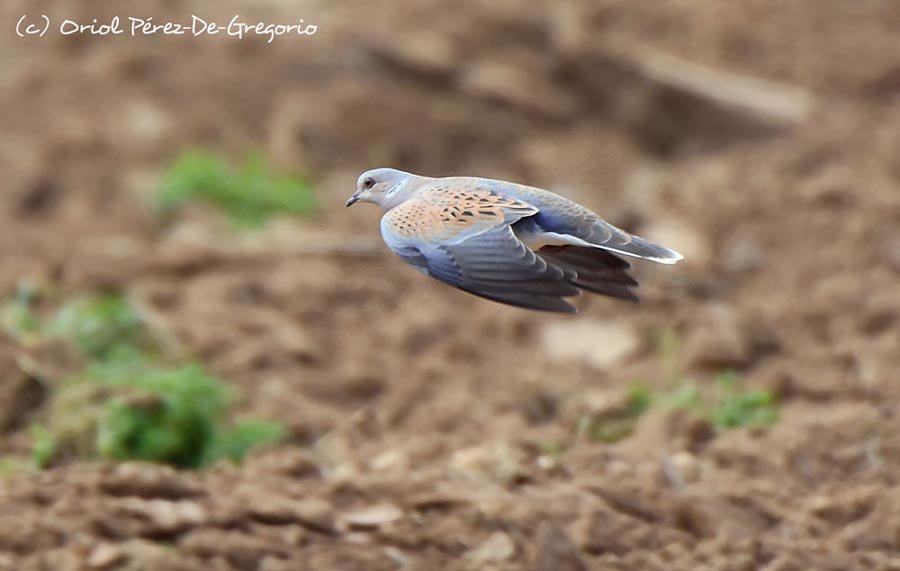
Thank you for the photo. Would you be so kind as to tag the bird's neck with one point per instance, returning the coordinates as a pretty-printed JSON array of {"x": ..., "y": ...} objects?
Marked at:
[{"x": 400, "y": 193}]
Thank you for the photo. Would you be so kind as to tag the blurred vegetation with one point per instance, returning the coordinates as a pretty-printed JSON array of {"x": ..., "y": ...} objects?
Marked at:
[
  {"x": 724, "y": 401},
  {"x": 726, "y": 404},
  {"x": 249, "y": 195},
  {"x": 99, "y": 326},
  {"x": 17, "y": 318},
  {"x": 126, "y": 408},
  {"x": 131, "y": 402},
  {"x": 619, "y": 422}
]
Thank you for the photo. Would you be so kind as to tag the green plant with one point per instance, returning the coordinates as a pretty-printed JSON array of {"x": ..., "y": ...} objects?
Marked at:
[
  {"x": 249, "y": 195},
  {"x": 727, "y": 404},
  {"x": 130, "y": 402},
  {"x": 17, "y": 317},
  {"x": 43, "y": 445},
  {"x": 618, "y": 422},
  {"x": 639, "y": 399},
  {"x": 685, "y": 396},
  {"x": 100, "y": 325},
  {"x": 234, "y": 443},
  {"x": 736, "y": 406},
  {"x": 135, "y": 409}
]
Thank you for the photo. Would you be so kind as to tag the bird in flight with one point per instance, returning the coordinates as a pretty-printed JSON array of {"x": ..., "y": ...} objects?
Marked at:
[{"x": 507, "y": 242}]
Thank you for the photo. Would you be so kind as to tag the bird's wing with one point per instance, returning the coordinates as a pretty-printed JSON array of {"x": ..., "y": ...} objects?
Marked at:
[
  {"x": 563, "y": 218},
  {"x": 462, "y": 236},
  {"x": 444, "y": 213},
  {"x": 596, "y": 270},
  {"x": 496, "y": 265}
]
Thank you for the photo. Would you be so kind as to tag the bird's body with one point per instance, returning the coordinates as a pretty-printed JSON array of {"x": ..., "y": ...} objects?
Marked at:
[{"x": 511, "y": 243}]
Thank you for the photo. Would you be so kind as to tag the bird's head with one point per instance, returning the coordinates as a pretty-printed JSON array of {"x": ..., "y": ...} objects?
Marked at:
[{"x": 381, "y": 186}]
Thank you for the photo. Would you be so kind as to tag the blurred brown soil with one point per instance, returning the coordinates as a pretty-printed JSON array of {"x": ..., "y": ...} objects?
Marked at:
[{"x": 422, "y": 419}]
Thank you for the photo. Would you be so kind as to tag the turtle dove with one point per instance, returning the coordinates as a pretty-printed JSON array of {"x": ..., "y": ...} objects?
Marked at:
[{"x": 510, "y": 243}]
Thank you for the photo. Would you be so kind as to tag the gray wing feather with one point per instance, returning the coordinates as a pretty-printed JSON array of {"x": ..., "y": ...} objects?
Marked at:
[
  {"x": 496, "y": 265},
  {"x": 559, "y": 214},
  {"x": 413, "y": 257}
]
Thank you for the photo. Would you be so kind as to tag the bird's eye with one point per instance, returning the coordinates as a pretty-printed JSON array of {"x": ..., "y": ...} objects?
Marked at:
[{"x": 369, "y": 182}]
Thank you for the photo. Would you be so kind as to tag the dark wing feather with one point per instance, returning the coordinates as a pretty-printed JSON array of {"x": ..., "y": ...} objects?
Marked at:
[
  {"x": 595, "y": 270},
  {"x": 496, "y": 265}
]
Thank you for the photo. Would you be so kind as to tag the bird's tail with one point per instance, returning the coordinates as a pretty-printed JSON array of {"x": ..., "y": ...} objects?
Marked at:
[{"x": 644, "y": 249}]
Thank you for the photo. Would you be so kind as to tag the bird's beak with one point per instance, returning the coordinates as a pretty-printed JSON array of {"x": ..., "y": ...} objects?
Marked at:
[{"x": 353, "y": 198}]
